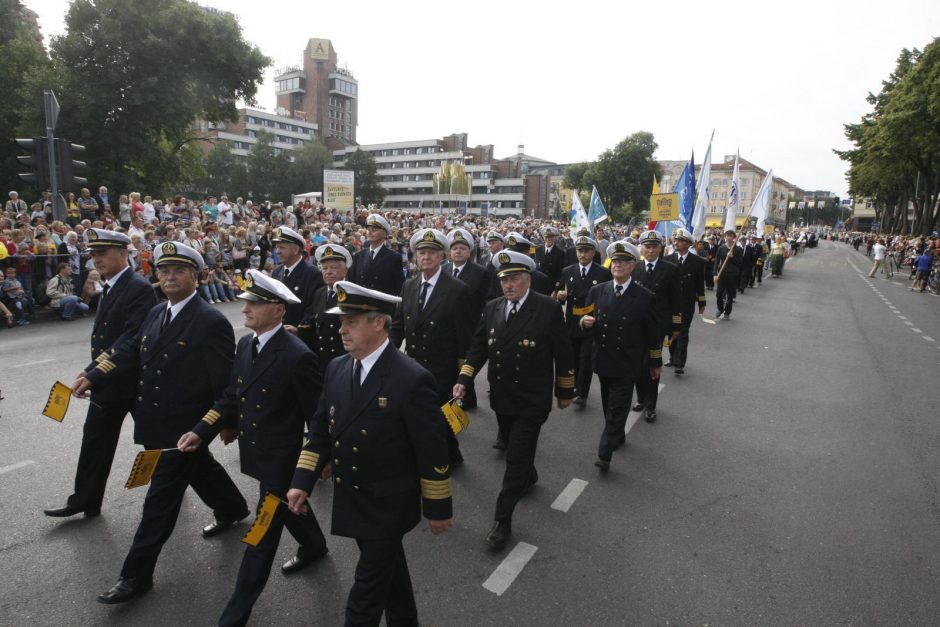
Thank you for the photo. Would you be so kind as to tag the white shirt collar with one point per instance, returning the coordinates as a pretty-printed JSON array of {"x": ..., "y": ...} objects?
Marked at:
[
  {"x": 433, "y": 279},
  {"x": 519, "y": 302},
  {"x": 457, "y": 268},
  {"x": 625, "y": 285},
  {"x": 586, "y": 267},
  {"x": 178, "y": 307},
  {"x": 290, "y": 269},
  {"x": 267, "y": 335},
  {"x": 110, "y": 282},
  {"x": 647, "y": 263},
  {"x": 369, "y": 360}
]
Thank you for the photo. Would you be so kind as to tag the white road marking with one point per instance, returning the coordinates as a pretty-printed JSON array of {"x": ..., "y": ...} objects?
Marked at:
[
  {"x": 569, "y": 495},
  {"x": 902, "y": 317},
  {"x": 634, "y": 416},
  {"x": 929, "y": 339},
  {"x": 888, "y": 303},
  {"x": 916, "y": 330},
  {"x": 16, "y": 466},
  {"x": 510, "y": 568},
  {"x": 908, "y": 323},
  {"x": 32, "y": 363}
]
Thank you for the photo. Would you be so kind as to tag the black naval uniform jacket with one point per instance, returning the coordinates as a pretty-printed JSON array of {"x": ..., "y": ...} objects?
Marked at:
[
  {"x": 319, "y": 330},
  {"x": 527, "y": 357},
  {"x": 551, "y": 263},
  {"x": 304, "y": 280},
  {"x": 477, "y": 279},
  {"x": 384, "y": 273},
  {"x": 664, "y": 283},
  {"x": 625, "y": 326},
  {"x": 691, "y": 283},
  {"x": 270, "y": 401},
  {"x": 182, "y": 370},
  {"x": 117, "y": 320},
  {"x": 386, "y": 445},
  {"x": 577, "y": 289},
  {"x": 438, "y": 335}
]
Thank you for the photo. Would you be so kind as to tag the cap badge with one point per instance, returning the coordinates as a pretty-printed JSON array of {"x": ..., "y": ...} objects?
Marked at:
[
  {"x": 428, "y": 236},
  {"x": 619, "y": 248},
  {"x": 511, "y": 241},
  {"x": 340, "y": 295},
  {"x": 277, "y": 233},
  {"x": 249, "y": 281},
  {"x": 504, "y": 258},
  {"x": 92, "y": 235},
  {"x": 169, "y": 248}
]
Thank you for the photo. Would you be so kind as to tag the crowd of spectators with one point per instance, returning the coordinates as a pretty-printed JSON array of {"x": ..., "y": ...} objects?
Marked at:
[{"x": 890, "y": 253}]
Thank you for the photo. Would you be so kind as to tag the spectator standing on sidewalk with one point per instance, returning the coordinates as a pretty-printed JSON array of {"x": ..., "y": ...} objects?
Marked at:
[{"x": 879, "y": 251}]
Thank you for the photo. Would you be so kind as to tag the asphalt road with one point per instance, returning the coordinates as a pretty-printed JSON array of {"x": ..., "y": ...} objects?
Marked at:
[{"x": 793, "y": 478}]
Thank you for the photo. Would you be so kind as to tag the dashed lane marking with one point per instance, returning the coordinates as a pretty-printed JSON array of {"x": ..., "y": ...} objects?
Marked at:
[
  {"x": 16, "y": 466},
  {"x": 510, "y": 568},
  {"x": 929, "y": 339},
  {"x": 902, "y": 317},
  {"x": 909, "y": 323},
  {"x": 569, "y": 495},
  {"x": 634, "y": 416},
  {"x": 916, "y": 330}
]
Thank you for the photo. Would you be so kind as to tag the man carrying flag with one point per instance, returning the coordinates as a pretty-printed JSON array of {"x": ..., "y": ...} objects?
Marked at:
[{"x": 272, "y": 392}]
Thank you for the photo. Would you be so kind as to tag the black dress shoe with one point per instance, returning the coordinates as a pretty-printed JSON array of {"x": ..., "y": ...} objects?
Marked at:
[
  {"x": 668, "y": 364},
  {"x": 499, "y": 444},
  {"x": 218, "y": 526},
  {"x": 300, "y": 562},
  {"x": 680, "y": 370},
  {"x": 638, "y": 406},
  {"x": 650, "y": 415},
  {"x": 125, "y": 590},
  {"x": 603, "y": 464},
  {"x": 533, "y": 479},
  {"x": 579, "y": 401},
  {"x": 499, "y": 535},
  {"x": 71, "y": 510}
]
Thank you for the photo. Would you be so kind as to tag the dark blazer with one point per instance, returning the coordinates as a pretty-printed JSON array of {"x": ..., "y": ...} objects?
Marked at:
[
  {"x": 303, "y": 281},
  {"x": 270, "y": 401},
  {"x": 320, "y": 330},
  {"x": 577, "y": 289},
  {"x": 477, "y": 279},
  {"x": 529, "y": 357},
  {"x": 664, "y": 283},
  {"x": 384, "y": 273},
  {"x": 551, "y": 263},
  {"x": 117, "y": 320},
  {"x": 625, "y": 326},
  {"x": 386, "y": 444},
  {"x": 733, "y": 269},
  {"x": 691, "y": 283},
  {"x": 182, "y": 370},
  {"x": 437, "y": 336}
]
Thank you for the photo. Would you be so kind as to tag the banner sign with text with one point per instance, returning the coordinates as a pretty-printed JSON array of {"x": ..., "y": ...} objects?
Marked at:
[
  {"x": 664, "y": 207},
  {"x": 339, "y": 189}
]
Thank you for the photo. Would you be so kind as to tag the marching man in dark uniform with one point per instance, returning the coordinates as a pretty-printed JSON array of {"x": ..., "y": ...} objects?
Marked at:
[
  {"x": 319, "y": 330},
  {"x": 661, "y": 278},
  {"x": 549, "y": 258},
  {"x": 540, "y": 281},
  {"x": 573, "y": 287},
  {"x": 476, "y": 278},
  {"x": 571, "y": 254},
  {"x": 377, "y": 432},
  {"x": 378, "y": 267},
  {"x": 727, "y": 275},
  {"x": 434, "y": 321},
  {"x": 625, "y": 330},
  {"x": 125, "y": 301},
  {"x": 184, "y": 351},
  {"x": 272, "y": 393},
  {"x": 691, "y": 294},
  {"x": 299, "y": 276},
  {"x": 495, "y": 242},
  {"x": 522, "y": 335}
]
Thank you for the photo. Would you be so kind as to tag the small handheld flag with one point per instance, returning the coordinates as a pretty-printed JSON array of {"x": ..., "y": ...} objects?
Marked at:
[
  {"x": 144, "y": 466},
  {"x": 58, "y": 402},
  {"x": 456, "y": 417},
  {"x": 263, "y": 520}
]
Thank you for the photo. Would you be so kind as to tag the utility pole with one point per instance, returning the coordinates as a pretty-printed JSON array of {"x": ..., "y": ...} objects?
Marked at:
[{"x": 52, "y": 116}]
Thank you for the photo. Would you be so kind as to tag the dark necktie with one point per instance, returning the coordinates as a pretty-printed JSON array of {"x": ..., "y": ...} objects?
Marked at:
[
  {"x": 422, "y": 300},
  {"x": 456, "y": 272},
  {"x": 286, "y": 273},
  {"x": 583, "y": 273},
  {"x": 254, "y": 348},
  {"x": 649, "y": 268},
  {"x": 512, "y": 311},
  {"x": 680, "y": 261},
  {"x": 372, "y": 254},
  {"x": 104, "y": 292},
  {"x": 618, "y": 289},
  {"x": 330, "y": 294},
  {"x": 357, "y": 376},
  {"x": 166, "y": 319}
]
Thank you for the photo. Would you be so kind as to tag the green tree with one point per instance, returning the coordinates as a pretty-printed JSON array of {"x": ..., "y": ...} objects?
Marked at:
[
  {"x": 132, "y": 77},
  {"x": 624, "y": 175},
  {"x": 574, "y": 176},
  {"x": 305, "y": 173},
  {"x": 367, "y": 180},
  {"x": 226, "y": 173},
  {"x": 267, "y": 169}
]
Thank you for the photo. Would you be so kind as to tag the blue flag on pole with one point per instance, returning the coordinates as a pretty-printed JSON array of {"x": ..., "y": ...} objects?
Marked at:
[
  {"x": 685, "y": 187},
  {"x": 596, "y": 211}
]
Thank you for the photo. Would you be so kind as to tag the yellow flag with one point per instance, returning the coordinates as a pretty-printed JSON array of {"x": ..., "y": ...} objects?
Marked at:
[
  {"x": 263, "y": 520},
  {"x": 456, "y": 417},
  {"x": 655, "y": 185},
  {"x": 58, "y": 402},
  {"x": 144, "y": 465}
]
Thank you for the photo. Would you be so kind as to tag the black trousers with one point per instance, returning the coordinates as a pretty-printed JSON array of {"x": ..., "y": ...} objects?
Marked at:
[
  {"x": 583, "y": 374},
  {"x": 679, "y": 349},
  {"x": 382, "y": 585},
  {"x": 745, "y": 279},
  {"x": 99, "y": 441},
  {"x": 647, "y": 388},
  {"x": 257, "y": 561},
  {"x": 616, "y": 394},
  {"x": 727, "y": 290},
  {"x": 758, "y": 274},
  {"x": 175, "y": 472},
  {"x": 709, "y": 274},
  {"x": 521, "y": 434}
]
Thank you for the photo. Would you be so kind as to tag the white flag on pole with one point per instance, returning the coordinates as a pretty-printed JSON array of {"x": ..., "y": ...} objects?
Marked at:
[
  {"x": 701, "y": 200},
  {"x": 734, "y": 198},
  {"x": 579, "y": 218},
  {"x": 761, "y": 204}
]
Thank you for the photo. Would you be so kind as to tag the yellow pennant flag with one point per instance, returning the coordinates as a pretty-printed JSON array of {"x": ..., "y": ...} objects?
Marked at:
[
  {"x": 144, "y": 465},
  {"x": 58, "y": 402},
  {"x": 456, "y": 417},
  {"x": 263, "y": 520}
]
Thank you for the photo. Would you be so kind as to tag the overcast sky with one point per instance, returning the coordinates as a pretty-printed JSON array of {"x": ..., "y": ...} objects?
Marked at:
[{"x": 571, "y": 79}]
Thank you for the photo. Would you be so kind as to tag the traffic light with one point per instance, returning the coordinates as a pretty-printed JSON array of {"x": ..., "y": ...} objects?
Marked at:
[
  {"x": 37, "y": 161},
  {"x": 68, "y": 165}
]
